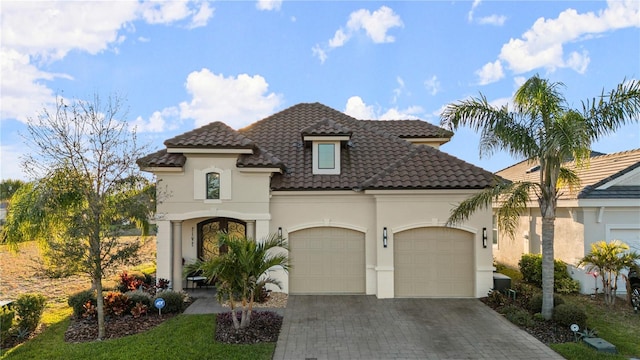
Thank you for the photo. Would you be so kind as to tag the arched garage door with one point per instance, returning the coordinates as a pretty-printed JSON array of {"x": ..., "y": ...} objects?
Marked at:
[
  {"x": 327, "y": 260},
  {"x": 433, "y": 262}
]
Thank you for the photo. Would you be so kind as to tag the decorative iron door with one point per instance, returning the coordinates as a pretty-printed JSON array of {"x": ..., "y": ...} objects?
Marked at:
[{"x": 209, "y": 230}]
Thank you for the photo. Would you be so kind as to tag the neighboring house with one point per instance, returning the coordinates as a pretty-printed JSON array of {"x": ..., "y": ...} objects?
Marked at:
[
  {"x": 3, "y": 212},
  {"x": 363, "y": 204},
  {"x": 606, "y": 206}
]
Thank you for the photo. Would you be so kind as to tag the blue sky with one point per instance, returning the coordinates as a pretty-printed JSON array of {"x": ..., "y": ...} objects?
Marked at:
[{"x": 183, "y": 64}]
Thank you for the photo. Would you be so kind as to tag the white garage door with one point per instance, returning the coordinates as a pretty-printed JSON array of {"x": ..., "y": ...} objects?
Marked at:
[
  {"x": 433, "y": 262},
  {"x": 327, "y": 260}
]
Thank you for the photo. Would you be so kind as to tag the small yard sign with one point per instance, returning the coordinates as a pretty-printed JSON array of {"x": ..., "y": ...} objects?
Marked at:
[{"x": 159, "y": 304}]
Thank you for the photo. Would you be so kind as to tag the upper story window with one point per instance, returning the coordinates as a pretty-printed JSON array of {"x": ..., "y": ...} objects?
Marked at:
[
  {"x": 213, "y": 186},
  {"x": 326, "y": 157},
  {"x": 496, "y": 232}
]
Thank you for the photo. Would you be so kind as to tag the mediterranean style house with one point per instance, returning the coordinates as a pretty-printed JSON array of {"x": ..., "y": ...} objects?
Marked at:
[
  {"x": 362, "y": 204},
  {"x": 606, "y": 206}
]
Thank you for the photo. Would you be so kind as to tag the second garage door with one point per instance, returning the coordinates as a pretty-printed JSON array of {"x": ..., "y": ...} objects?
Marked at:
[
  {"x": 433, "y": 262},
  {"x": 327, "y": 260}
]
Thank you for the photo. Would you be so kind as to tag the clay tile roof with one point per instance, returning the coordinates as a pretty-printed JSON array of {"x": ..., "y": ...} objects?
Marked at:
[
  {"x": 375, "y": 156},
  {"x": 162, "y": 159},
  {"x": 426, "y": 167},
  {"x": 213, "y": 135},
  {"x": 326, "y": 127},
  {"x": 407, "y": 129},
  {"x": 601, "y": 169}
]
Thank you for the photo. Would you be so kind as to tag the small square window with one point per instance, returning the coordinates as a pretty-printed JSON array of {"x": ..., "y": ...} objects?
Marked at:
[
  {"x": 213, "y": 186},
  {"x": 326, "y": 156}
]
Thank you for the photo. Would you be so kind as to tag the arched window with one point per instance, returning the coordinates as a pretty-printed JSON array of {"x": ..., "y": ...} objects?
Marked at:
[{"x": 213, "y": 185}]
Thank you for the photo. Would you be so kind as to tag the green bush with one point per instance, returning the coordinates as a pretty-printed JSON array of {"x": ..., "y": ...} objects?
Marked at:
[
  {"x": 29, "y": 309},
  {"x": 139, "y": 296},
  {"x": 535, "y": 302},
  {"x": 531, "y": 269},
  {"x": 567, "y": 285},
  {"x": 173, "y": 301},
  {"x": 567, "y": 315},
  {"x": 79, "y": 299},
  {"x": 518, "y": 316},
  {"x": 6, "y": 322}
]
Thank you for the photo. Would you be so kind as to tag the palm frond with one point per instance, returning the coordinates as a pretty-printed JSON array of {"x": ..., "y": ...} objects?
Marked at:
[{"x": 612, "y": 110}]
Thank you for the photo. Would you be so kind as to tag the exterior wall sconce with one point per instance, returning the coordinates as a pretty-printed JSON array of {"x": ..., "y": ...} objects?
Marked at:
[
  {"x": 280, "y": 233},
  {"x": 384, "y": 236},
  {"x": 484, "y": 237}
]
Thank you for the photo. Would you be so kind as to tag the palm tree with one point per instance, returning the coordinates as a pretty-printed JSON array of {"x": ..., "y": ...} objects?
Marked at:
[
  {"x": 540, "y": 127},
  {"x": 609, "y": 259},
  {"x": 242, "y": 271}
]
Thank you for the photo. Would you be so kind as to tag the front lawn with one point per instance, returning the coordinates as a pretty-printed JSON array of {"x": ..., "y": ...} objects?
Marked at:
[
  {"x": 182, "y": 337},
  {"x": 618, "y": 325}
]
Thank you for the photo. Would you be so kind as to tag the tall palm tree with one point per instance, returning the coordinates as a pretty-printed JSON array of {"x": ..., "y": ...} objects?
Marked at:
[
  {"x": 243, "y": 270},
  {"x": 541, "y": 127}
]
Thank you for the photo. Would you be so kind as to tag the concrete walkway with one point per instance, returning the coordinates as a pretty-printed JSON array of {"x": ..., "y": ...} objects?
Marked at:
[
  {"x": 206, "y": 303},
  {"x": 364, "y": 327}
]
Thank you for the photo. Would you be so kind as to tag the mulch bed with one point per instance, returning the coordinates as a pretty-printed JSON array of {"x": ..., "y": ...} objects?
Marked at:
[
  {"x": 84, "y": 330},
  {"x": 548, "y": 332},
  {"x": 264, "y": 327}
]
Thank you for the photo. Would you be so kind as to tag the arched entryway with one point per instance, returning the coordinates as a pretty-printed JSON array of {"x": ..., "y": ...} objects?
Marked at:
[{"x": 208, "y": 231}]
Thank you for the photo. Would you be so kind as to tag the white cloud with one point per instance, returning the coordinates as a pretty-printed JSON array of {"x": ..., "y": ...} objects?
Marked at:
[
  {"x": 319, "y": 52},
  {"x": 432, "y": 85},
  {"x": 237, "y": 101},
  {"x": 473, "y": 8},
  {"x": 542, "y": 45},
  {"x": 339, "y": 39},
  {"x": 490, "y": 72},
  {"x": 269, "y": 5},
  {"x": 376, "y": 25},
  {"x": 397, "y": 92},
  {"x": 357, "y": 108},
  {"x": 159, "y": 121},
  {"x": 497, "y": 20},
  {"x": 35, "y": 34}
]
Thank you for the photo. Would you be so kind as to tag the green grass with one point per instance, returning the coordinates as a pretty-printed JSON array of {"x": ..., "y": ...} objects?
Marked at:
[
  {"x": 182, "y": 337},
  {"x": 619, "y": 326}
]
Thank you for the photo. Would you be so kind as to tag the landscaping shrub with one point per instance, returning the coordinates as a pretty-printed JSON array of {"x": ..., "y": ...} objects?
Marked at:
[
  {"x": 139, "y": 296},
  {"x": 535, "y": 302},
  {"x": 6, "y": 322},
  {"x": 567, "y": 285},
  {"x": 518, "y": 316},
  {"x": 173, "y": 301},
  {"x": 566, "y": 315},
  {"x": 531, "y": 269},
  {"x": 78, "y": 300},
  {"x": 29, "y": 309},
  {"x": 512, "y": 273},
  {"x": 130, "y": 282},
  {"x": 116, "y": 303}
]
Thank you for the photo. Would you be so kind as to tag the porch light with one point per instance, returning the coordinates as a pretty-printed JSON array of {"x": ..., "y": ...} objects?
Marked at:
[
  {"x": 280, "y": 233},
  {"x": 384, "y": 236},
  {"x": 484, "y": 237}
]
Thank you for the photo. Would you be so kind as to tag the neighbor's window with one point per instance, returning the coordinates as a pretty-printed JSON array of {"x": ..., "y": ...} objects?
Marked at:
[
  {"x": 326, "y": 156},
  {"x": 213, "y": 185}
]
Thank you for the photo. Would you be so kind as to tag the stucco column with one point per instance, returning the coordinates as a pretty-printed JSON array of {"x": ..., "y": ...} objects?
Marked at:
[
  {"x": 176, "y": 239},
  {"x": 251, "y": 229},
  {"x": 163, "y": 250}
]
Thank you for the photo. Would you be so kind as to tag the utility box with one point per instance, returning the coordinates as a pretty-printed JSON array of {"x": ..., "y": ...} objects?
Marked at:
[{"x": 501, "y": 282}]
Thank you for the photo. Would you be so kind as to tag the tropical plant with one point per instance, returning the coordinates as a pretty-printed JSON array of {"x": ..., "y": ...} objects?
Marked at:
[
  {"x": 239, "y": 273},
  {"x": 609, "y": 259},
  {"x": 88, "y": 189},
  {"x": 540, "y": 127}
]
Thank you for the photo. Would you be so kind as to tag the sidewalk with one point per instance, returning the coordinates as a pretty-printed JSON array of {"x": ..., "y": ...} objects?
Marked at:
[{"x": 205, "y": 302}]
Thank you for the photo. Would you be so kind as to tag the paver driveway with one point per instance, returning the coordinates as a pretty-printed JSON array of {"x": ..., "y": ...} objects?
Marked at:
[{"x": 364, "y": 327}]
